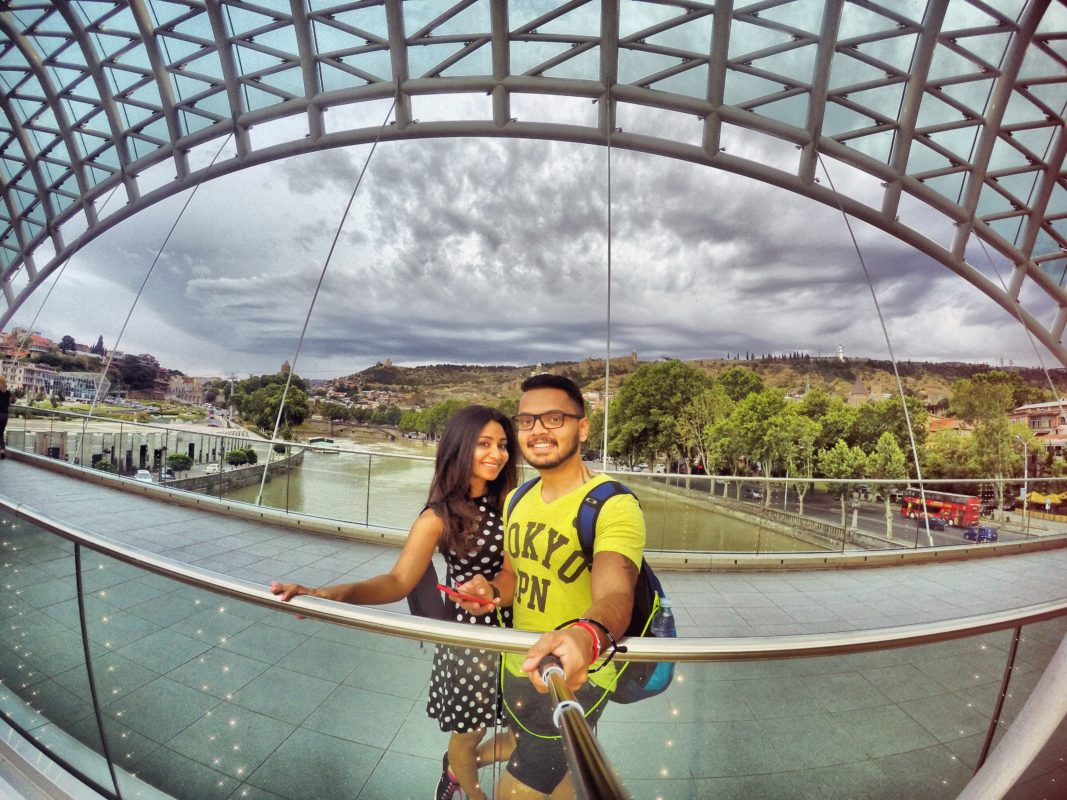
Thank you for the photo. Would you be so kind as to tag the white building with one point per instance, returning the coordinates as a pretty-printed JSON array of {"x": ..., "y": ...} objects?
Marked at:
[{"x": 32, "y": 379}]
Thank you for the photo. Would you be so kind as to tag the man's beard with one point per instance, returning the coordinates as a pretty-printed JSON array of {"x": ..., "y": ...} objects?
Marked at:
[{"x": 554, "y": 459}]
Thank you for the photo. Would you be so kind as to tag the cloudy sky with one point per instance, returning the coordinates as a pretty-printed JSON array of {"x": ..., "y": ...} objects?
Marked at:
[{"x": 495, "y": 251}]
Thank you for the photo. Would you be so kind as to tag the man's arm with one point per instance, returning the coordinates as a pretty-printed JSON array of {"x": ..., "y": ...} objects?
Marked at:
[{"x": 612, "y": 584}]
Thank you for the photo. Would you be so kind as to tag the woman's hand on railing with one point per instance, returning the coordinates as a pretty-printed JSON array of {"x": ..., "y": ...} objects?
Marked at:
[{"x": 289, "y": 590}]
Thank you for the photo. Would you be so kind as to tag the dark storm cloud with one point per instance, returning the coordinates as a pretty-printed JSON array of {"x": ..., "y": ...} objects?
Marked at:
[{"x": 496, "y": 251}]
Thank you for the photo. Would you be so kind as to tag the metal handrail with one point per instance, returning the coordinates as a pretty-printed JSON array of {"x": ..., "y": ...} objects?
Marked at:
[{"x": 507, "y": 640}]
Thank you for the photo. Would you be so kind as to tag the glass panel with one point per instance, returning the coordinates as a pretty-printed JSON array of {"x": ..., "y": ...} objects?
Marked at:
[
  {"x": 692, "y": 35},
  {"x": 584, "y": 66},
  {"x": 1045, "y": 775},
  {"x": 902, "y": 723},
  {"x": 805, "y": 15},
  {"x": 797, "y": 63},
  {"x": 637, "y": 64},
  {"x": 229, "y": 698},
  {"x": 42, "y": 658},
  {"x": 525, "y": 56},
  {"x": 692, "y": 82}
]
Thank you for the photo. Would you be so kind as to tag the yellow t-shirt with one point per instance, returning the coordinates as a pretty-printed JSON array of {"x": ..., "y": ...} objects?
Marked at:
[{"x": 552, "y": 573}]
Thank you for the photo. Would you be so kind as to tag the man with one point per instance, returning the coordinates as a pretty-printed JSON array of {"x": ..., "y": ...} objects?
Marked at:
[{"x": 549, "y": 582}]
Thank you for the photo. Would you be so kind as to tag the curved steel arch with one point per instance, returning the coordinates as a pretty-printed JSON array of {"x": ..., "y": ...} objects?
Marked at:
[{"x": 955, "y": 110}]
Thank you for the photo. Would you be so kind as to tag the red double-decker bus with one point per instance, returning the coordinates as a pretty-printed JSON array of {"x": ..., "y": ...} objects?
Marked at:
[{"x": 954, "y": 509}]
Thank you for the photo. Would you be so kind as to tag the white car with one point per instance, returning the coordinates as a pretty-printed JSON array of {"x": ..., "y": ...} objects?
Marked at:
[
  {"x": 211, "y": 469},
  {"x": 144, "y": 476}
]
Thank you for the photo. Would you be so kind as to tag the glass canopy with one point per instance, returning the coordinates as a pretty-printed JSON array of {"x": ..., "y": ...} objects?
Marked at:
[{"x": 942, "y": 120}]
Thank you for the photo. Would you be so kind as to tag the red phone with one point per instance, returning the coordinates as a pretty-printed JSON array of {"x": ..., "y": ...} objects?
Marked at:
[{"x": 463, "y": 598}]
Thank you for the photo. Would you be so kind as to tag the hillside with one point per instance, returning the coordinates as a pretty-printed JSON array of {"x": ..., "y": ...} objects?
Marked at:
[{"x": 930, "y": 381}]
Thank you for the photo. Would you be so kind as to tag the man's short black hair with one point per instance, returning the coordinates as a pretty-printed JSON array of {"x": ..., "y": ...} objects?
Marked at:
[{"x": 548, "y": 381}]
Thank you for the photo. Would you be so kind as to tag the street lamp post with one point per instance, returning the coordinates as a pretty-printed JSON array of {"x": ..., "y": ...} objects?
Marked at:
[{"x": 1026, "y": 463}]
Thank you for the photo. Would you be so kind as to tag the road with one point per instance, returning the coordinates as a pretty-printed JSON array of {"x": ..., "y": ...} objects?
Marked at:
[{"x": 826, "y": 507}]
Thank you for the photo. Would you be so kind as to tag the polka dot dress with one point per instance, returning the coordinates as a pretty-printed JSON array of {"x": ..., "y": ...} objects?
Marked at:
[{"x": 464, "y": 684}]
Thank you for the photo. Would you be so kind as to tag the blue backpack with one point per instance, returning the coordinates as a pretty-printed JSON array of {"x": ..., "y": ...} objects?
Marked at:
[{"x": 636, "y": 680}]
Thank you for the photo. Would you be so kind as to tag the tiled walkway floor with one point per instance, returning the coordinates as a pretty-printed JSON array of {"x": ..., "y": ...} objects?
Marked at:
[{"x": 226, "y": 700}]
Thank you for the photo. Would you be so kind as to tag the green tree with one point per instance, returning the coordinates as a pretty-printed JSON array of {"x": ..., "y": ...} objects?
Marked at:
[
  {"x": 250, "y": 456},
  {"x": 800, "y": 458},
  {"x": 261, "y": 406},
  {"x": 437, "y": 416},
  {"x": 739, "y": 383},
  {"x": 950, "y": 454},
  {"x": 643, "y": 414},
  {"x": 875, "y": 418},
  {"x": 836, "y": 418},
  {"x": 179, "y": 462},
  {"x": 697, "y": 419},
  {"x": 725, "y": 451},
  {"x": 594, "y": 442},
  {"x": 761, "y": 439},
  {"x": 104, "y": 465},
  {"x": 236, "y": 458},
  {"x": 985, "y": 401},
  {"x": 67, "y": 344},
  {"x": 137, "y": 374},
  {"x": 842, "y": 462},
  {"x": 887, "y": 463}
]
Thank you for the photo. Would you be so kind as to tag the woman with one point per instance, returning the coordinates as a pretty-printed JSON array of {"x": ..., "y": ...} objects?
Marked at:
[{"x": 474, "y": 471}]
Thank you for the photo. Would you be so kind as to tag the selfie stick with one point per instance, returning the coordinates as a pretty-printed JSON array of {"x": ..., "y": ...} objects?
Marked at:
[{"x": 594, "y": 777}]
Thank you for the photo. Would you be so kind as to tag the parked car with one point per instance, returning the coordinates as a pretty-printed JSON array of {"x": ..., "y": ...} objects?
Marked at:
[
  {"x": 751, "y": 494},
  {"x": 144, "y": 476},
  {"x": 166, "y": 474},
  {"x": 211, "y": 469},
  {"x": 980, "y": 533},
  {"x": 936, "y": 523}
]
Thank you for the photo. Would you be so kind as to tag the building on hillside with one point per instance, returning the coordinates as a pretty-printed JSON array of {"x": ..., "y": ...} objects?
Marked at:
[
  {"x": 22, "y": 342},
  {"x": 33, "y": 380},
  {"x": 859, "y": 394},
  {"x": 1041, "y": 416},
  {"x": 937, "y": 423},
  {"x": 185, "y": 389},
  {"x": 84, "y": 350}
]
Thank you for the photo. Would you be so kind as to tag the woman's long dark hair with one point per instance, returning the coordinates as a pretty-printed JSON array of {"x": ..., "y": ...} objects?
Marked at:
[{"x": 450, "y": 488}]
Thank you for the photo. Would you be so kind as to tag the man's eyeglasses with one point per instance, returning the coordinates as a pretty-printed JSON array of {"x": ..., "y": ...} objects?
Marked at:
[{"x": 550, "y": 420}]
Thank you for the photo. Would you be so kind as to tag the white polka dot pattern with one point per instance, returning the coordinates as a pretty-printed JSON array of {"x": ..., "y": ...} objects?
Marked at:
[{"x": 464, "y": 682}]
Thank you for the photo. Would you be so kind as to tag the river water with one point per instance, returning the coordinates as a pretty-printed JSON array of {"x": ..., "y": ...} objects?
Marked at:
[{"x": 387, "y": 488}]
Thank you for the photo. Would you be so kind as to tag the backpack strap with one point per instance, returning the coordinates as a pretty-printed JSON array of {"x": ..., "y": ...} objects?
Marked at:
[
  {"x": 589, "y": 511},
  {"x": 520, "y": 492}
]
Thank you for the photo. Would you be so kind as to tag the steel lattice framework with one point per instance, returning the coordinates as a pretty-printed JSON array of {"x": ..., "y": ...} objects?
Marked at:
[{"x": 951, "y": 111}]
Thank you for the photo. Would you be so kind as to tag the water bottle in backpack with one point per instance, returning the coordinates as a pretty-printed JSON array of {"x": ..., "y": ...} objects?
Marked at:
[{"x": 663, "y": 625}]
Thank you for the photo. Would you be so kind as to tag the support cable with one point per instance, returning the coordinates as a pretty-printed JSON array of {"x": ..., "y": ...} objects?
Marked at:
[
  {"x": 151, "y": 268},
  {"x": 315, "y": 296},
  {"x": 888, "y": 344}
]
